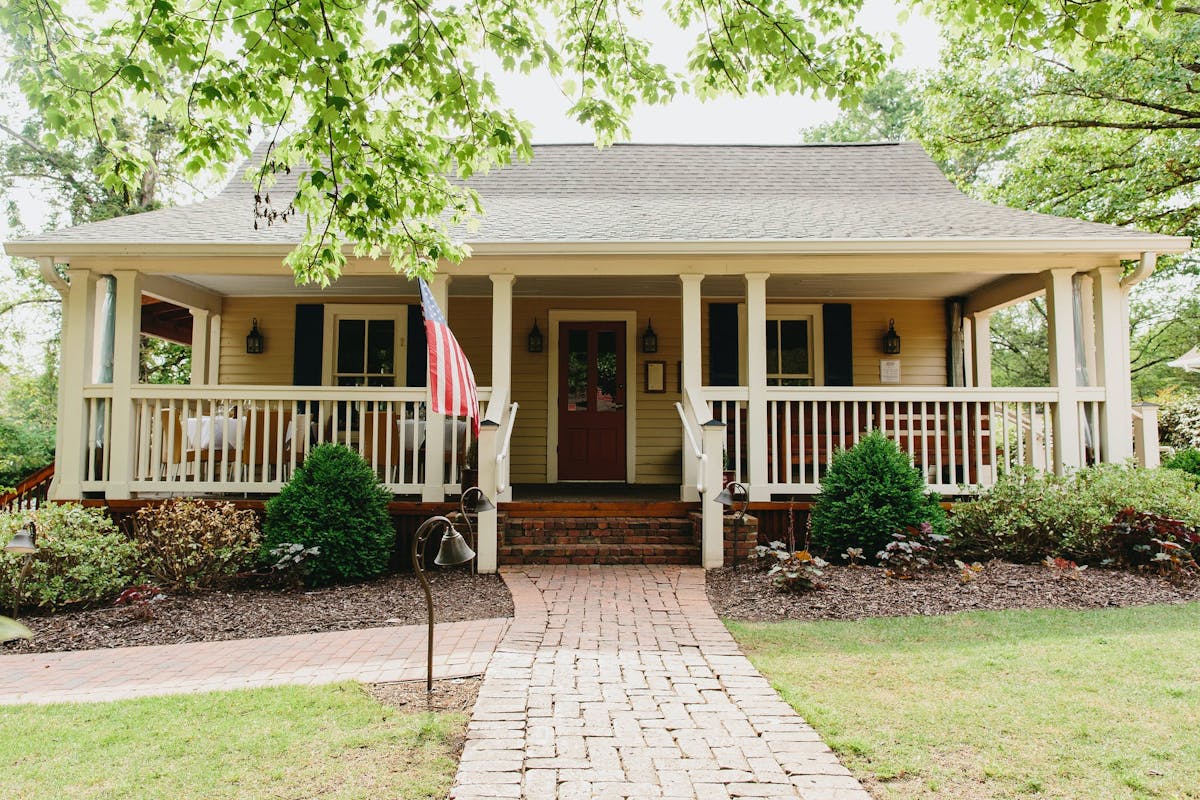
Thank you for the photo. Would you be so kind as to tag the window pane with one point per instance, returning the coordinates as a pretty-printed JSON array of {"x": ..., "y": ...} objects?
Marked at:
[
  {"x": 577, "y": 370},
  {"x": 351, "y": 344},
  {"x": 772, "y": 347},
  {"x": 606, "y": 371},
  {"x": 793, "y": 335},
  {"x": 381, "y": 345}
]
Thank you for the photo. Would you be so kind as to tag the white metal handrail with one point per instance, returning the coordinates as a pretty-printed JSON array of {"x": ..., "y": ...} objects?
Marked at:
[
  {"x": 502, "y": 463},
  {"x": 701, "y": 457}
]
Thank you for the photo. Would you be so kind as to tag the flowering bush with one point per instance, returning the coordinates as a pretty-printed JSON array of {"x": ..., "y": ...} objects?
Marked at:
[
  {"x": 1179, "y": 422},
  {"x": 81, "y": 558},
  {"x": 189, "y": 544}
]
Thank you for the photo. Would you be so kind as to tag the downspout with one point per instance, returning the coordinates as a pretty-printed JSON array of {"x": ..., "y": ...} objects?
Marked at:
[
  {"x": 50, "y": 275},
  {"x": 1143, "y": 270}
]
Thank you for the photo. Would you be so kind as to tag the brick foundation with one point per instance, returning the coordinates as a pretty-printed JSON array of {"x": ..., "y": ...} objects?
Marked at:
[{"x": 740, "y": 538}]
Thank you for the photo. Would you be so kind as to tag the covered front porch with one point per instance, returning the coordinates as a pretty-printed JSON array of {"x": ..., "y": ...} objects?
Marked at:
[{"x": 761, "y": 376}]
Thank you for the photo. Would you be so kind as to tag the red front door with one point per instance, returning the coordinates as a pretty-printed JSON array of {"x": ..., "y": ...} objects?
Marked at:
[{"x": 591, "y": 401}]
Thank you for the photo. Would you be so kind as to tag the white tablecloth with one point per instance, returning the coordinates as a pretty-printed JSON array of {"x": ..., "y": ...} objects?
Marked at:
[{"x": 220, "y": 432}]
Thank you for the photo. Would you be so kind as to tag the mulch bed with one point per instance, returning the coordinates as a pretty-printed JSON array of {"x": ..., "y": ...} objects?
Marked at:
[
  {"x": 246, "y": 613},
  {"x": 451, "y": 694},
  {"x": 744, "y": 592}
]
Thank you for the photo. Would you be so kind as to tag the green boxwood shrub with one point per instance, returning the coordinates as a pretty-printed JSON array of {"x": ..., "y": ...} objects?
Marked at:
[
  {"x": 82, "y": 557},
  {"x": 333, "y": 502},
  {"x": 1028, "y": 515},
  {"x": 1187, "y": 460},
  {"x": 869, "y": 493}
]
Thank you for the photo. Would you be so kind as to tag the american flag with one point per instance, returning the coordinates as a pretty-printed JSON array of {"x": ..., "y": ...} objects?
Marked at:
[{"x": 451, "y": 381}]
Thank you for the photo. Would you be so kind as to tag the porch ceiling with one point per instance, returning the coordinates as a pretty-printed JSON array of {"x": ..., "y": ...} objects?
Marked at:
[{"x": 897, "y": 287}]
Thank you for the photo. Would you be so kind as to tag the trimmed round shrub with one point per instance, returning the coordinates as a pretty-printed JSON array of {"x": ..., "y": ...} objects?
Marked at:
[
  {"x": 82, "y": 557},
  {"x": 1028, "y": 515},
  {"x": 189, "y": 544},
  {"x": 1186, "y": 460},
  {"x": 869, "y": 493},
  {"x": 335, "y": 503}
]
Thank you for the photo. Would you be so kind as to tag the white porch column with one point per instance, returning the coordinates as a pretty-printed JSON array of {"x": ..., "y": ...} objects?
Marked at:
[
  {"x": 693, "y": 373},
  {"x": 434, "y": 490},
  {"x": 75, "y": 371},
  {"x": 1145, "y": 435},
  {"x": 1061, "y": 338},
  {"x": 486, "y": 546},
  {"x": 712, "y": 514},
  {"x": 981, "y": 331},
  {"x": 214, "y": 349},
  {"x": 126, "y": 345},
  {"x": 502, "y": 333},
  {"x": 199, "y": 345},
  {"x": 1112, "y": 366},
  {"x": 756, "y": 378}
]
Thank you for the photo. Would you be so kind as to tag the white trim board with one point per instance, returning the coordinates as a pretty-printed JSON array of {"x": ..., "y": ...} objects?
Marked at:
[{"x": 631, "y": 384}]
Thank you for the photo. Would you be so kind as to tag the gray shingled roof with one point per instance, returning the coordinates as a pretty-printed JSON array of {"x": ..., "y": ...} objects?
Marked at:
[{"x": 665, "y": 193}]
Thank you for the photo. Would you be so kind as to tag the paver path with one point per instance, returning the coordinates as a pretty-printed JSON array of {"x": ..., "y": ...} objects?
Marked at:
[
  {"x": 373, "y": 654},
  {"x": 621, "y": 682}
]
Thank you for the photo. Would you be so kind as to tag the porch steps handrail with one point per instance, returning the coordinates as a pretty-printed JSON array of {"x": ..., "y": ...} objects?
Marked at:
[
  {"x": 697, "y": 451},
  {"x": 30, "y": 492},
  {"x": 502, "y": 461}
]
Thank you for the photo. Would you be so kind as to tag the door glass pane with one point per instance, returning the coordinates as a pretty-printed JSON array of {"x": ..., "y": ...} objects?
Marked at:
[
  {"x": 351, "y": 344},
  {"x": 381, "y": 345},
  {"x": 577, "y": 370},
  {"x": 793, "y": 336},
  {"x": 772, "y": 347},
  {"x": 606, "y": 371}
]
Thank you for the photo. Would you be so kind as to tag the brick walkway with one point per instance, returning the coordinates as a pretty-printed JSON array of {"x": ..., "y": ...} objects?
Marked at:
[
  {"x": 374, "y": 654},
  {"x": 621, "y": 682}
]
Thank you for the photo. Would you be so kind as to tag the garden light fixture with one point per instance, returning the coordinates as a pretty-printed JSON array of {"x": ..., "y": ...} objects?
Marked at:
[
  {"x": 452, "y": 550},
  {"x": 23, "y": 542},
  {"x": 732, "y": 495}
]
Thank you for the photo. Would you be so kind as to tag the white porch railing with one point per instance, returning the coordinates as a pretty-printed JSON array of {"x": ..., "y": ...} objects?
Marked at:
[
  {"x": 249, "y": 439},
  {"x": 960, "y": 439}
]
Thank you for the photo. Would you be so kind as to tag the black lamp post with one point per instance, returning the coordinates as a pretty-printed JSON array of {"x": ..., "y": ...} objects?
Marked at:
[
  {"x": 23, "y": 542},
  {"x": 452, "y": 550}
]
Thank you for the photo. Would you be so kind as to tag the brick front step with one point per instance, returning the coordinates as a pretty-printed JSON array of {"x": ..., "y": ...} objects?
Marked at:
[
  {"x": 610, "y": 554},
  {"x": 566, "y": 531}
]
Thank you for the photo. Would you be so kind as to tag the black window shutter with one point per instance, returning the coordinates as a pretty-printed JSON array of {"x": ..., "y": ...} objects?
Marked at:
[
  {"x": 418, "y": 349},
  {"x": 309, "y": 344},
  {"x": 839, "y": 355},
  {"x": 722, "y": 344}
]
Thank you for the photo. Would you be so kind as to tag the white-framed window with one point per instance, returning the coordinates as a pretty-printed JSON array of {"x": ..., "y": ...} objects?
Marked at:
[
  {"x": 365, "y": 345},
  {"x": 794, "y": 345}
]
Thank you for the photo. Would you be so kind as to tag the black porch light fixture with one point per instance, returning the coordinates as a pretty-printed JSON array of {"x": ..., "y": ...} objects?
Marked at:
[
  {"x": 535, "y": 338},
  {"x": 254, "y": 340},
  {"x": 452, "y": 550},
  {"x": 649, "y": 339},
  {"x": 891, "y": 340}
]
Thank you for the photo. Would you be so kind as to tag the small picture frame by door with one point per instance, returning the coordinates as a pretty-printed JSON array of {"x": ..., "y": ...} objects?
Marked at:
[{"x": 656, "y": 377}]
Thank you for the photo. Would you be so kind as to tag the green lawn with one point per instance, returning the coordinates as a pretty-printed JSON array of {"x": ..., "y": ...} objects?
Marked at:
[
  {"x": 1095, "y": 705},
  {"x": 291, "y": 742}
]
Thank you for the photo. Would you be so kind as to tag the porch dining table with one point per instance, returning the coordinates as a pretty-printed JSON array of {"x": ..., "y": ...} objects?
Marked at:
[{"x": 217, "y": 432}]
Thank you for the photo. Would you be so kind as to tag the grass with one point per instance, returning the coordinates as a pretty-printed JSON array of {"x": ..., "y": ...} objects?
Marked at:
[
  {"x": 1053, "y": 704},
  {"x": 291, "y": 742}
]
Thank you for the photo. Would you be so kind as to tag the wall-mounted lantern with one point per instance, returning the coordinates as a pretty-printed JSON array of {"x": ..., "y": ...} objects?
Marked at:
[
  {"x": 649, "y": 339},
  {"x": 891, "y": 340},
  {"x": 254, "y": 340},
  {"x": 535, "y": 338}
]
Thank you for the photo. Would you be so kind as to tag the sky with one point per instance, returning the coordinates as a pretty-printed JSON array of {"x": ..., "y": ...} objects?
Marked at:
[{"x": 729, "y": 120}]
